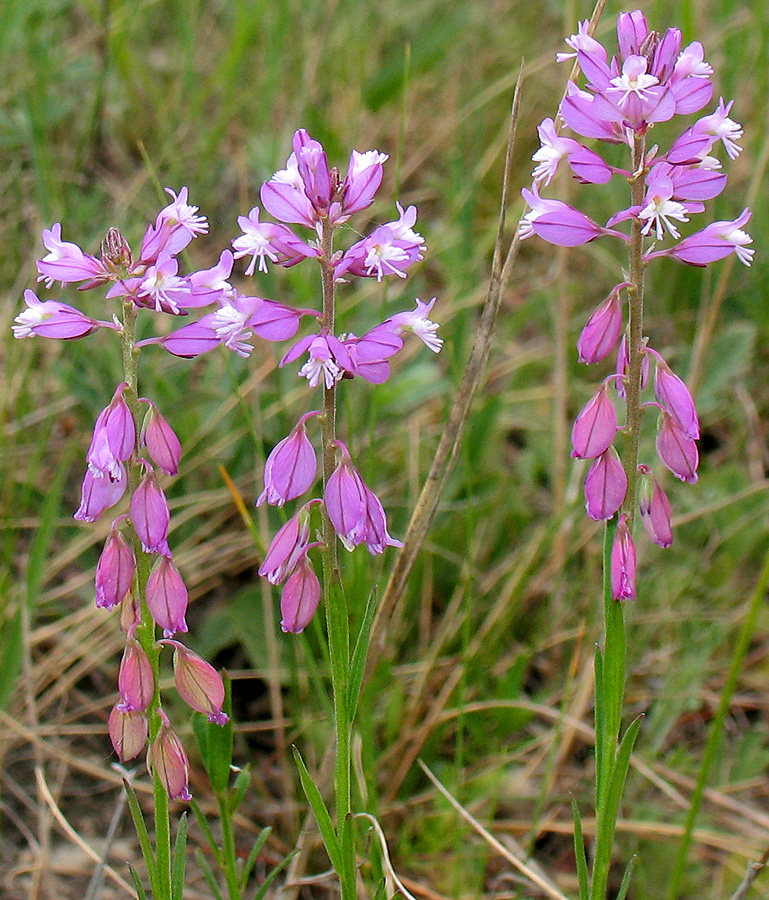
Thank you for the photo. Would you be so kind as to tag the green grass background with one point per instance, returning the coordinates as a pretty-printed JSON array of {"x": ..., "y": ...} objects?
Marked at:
[{"x": 103, "y": 103}]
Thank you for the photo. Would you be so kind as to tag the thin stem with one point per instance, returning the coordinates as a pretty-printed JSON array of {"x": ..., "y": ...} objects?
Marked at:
[
  {"x": 145, "y": 630},
  {"x": 228, "y": 847},
  {"x": 635, "y": 343}
]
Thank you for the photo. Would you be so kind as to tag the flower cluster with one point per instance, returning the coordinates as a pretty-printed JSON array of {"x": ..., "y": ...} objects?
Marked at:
[
  {"x": 651, "y": 80},
  {"x": 125, "y": 457},
  {"x": 311, "y": 194}
]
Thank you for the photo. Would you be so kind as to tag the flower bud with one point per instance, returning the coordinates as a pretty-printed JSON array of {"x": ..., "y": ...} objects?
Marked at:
[
  {"x": 128, "y": 732},
  {"x": 98, "y": 494},
  {"x": 605, "y": 486},
  {"x": 654, "y": 507},
  {"x": 291, "y": 467},
  {"x": 623, "y": 563},
  {"x": 167, "y": 597},
  {"x": 300, "y": 598},
  {"x": 288, "y": 546},
  {"x": 168, "y": 760},
  {"x": 161, "y": 442},
  {"x": 135, "y": 680},
  {"x": 114, "y": 570},
  {"x": 115, "y": 251},
  {"x": 345, "y": 498},
  {"x": 150, "y": 514},
  {"x": 674, "y": 395},
  {"x": 601, "y": 333},
  {"x": 198, "y": 683},
  {"x": 677, "y": 451},
  {"x": 595, "y": 427}
]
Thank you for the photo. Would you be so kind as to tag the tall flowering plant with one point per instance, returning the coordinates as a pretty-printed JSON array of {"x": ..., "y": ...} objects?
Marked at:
[
  {"x": 132, "y": 449},
  {"x": 649, "y": 81}
]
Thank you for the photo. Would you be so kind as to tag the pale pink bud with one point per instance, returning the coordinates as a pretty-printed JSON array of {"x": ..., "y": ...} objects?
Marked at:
[
  {"x": 114, "y": 570},
  {"x": 676, "y": 450},
  {"x": 128, "y": 732},
  {"x": 291, "y": 467},
  {"x": 595, "y": 427},
  {"x": 674, "y": 395},
  {"x": 601, "y": 333},
  {"x": 605, "y": 486},
  {"x": 150, "y": 514},
  {"x": 345, "y": 498},
  {"x": 160, "y": 440},
  {"x": 300, "y": 598},
  {"x": 100, "y": 493},
  {"x": 654, "y": 507},
  {"x": 198, "y": 683},
  {"x": 135, "y": 680},
  {"x": 114, "y": 437},
  {"x": 377, "y": 537},
  {"x": 167, "y": 597},
  {"x": 623, "y": 563},
  {"x": 167, "y": 759},
  {"x": 130, "y": 613},
  {"x": 288, "y": 546}
]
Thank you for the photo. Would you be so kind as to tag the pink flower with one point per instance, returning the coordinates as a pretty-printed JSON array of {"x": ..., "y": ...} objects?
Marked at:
[
  {"x": 288, "y": 546},
  {"x": 99, "y": 494},
  {"x": 677, "y": 451},
  {"x": 150, "y": 515},
  {"x": 595, "y": 427},
  {"x": 198, "y": 683},
  {"x": 558, "y": 223},
  {"x": 328, "y": 359},
  {"x": 719, "y": 126},
  {"x": 160, "y": 440},
  {"x": 674, "y": 395},
  {"x": 114, "y": 570},
  {"x": 418, "y": 323},
  {"x": 601, "y": 333},
  {"x": 51, "y": 319},
  {"x": 552, "y": 150},
  {"x": 114, "y": 437},
  {"x": 135, "y": 680},
  {"x": 605, "y": 486},
  {"x": 291, "y": 467},
  {"x": 370, "y": 353},
  {"x": 264, "y": 241},
  {"x": 376, "y": 536},
  {"x": 714, "y": 242},
  {"x": 623, "y": 563},
  {"x": 168, "y": 760},
  {"x": 299, "y": 598},
  {"x": 167, "y": 597},
  {"x": 66, "y": 262},
  {"x": 389, "y": 250},
  {"x": 364, "y": 176},
  {"x": 346, "y": 501},
  {"x": 654, "y": 507},
  {"x": 128, "y": 732}
]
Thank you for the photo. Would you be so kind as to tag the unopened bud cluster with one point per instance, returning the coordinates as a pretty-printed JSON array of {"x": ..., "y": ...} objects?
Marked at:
[{"x": 651, "y": 80}]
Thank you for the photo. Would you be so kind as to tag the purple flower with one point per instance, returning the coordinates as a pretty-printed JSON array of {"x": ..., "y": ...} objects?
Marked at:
[
  {"x": 376, "y": 536},
  {"x": 346, "y": 501},
  {"x": 654, "y": 507},
  {"x": 417, "y": 322},
  {"x": 167, "y": 597},
  {"x": 150, "y": 515},
  {"x": 198, "y": 683},
  {"x": 135, "y": 679},
  {"x": 364, "y": 176},
  {"x": 601, "y": 333},
  {"x": 99, "y": 494},
  {"x": 128, "y": 731},
  {"x": 168, "y": 760},
  {"x": 66, "y": 262},
  {"x": 159, "y": 287},
  {"x": 114, "y": 437},
  {"x": 714, "y": 242},
  {"x": 677, "y": 451},
  {"x": 211, "y": 285},
  {"x": 299, "y": 598},
  {"x": 674, "y": 395},
  {"x": 389, "y": 250},
  {"x": 623, "y": 563},
  {"x": 552, "y": 150},
  {"x": 291, "y": 467},
  {"x": 160, "y": 440},
  {"x": 719, "y": 126},
  {"x": 605, "y": 486},
  {"x": 114, "y": 570},
  {"x": 328, "y": 359},
  {"x": 558, "y": 223},
  {"x": 288, "y": 546},
  {"x": 369, "y": 354},
  {"x": 595, "y": 427},
  {"x": 51, "y": 319},
  {"x": 264, "y": 241}
]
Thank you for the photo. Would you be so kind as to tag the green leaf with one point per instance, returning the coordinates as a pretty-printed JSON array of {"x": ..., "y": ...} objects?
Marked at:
[
  {"x": 206, "y": 829},
  {"x": 238, "y": 791},
  {"x": 320, "y": 812},
  {"x": 626, "y": 879},
  {"x": 11, "y": 640},
  {"x": 579, "y": 852},
  {"x": 215, "y": 743},
  {"x": 600, "y": 728},
  {"x": 262, "y": 891},
  {"x": 253, "y": 854},
  {"x": 360, "y": 654},
  {"x": 619, "y": 774},
  {"x": 137, "y": 883},
  {"x": 143, "y": 835},
  {"x": 205, "y": 868},
  {"x": 179, "y": 860}
]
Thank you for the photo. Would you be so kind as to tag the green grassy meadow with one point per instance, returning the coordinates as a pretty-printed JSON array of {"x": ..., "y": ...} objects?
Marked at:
[{"x": 486, "y": 674}]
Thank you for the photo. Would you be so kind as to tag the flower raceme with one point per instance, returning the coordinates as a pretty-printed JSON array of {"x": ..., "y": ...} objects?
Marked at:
[{"x": 652, "y": 79}]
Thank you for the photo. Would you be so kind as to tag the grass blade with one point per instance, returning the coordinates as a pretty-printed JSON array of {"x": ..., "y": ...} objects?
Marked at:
[
  {"x": 579, "y": 852},
  {"x": 143, "y": 835},
  {"x": 321, "y": 813},
  {"x": 179, "y": 859}
]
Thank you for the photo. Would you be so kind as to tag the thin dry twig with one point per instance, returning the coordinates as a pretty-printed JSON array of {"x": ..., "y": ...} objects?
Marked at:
[{"x": 754, "y": 870}]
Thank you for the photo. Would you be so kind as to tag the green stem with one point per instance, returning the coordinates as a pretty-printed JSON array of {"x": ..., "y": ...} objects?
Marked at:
[
  {"x": 716, "y": 728},
  {"x": 228, "y": 846},
  {"x": 335, "y": 604},
  {"x": 146, "y": 632}
]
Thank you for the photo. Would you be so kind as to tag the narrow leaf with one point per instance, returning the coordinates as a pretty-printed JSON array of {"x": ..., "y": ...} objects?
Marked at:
[
  {"x": 205, "y": 868},
  {"x": 252, "y": 856},
  {"x": 579, "y": 852},
  {"x": 137, "y": 883},
  {"x": 321, "y": 813},
  {"x": 238, "y": 791},
  {"x": 619, "y": 774},
  {"x": 206, "y": 829},
  {"x": 215, "y": 743},
  {"x": 11, "y": 640},
  {"x": 179, "y": 860},
  {"x": 360, "y": 654},
  {"x": 600, "y": 728},
  {"x": 263, "y": 888},
  {"x": 143, "y": 835},
  {"x": 626, "y": 879}
]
